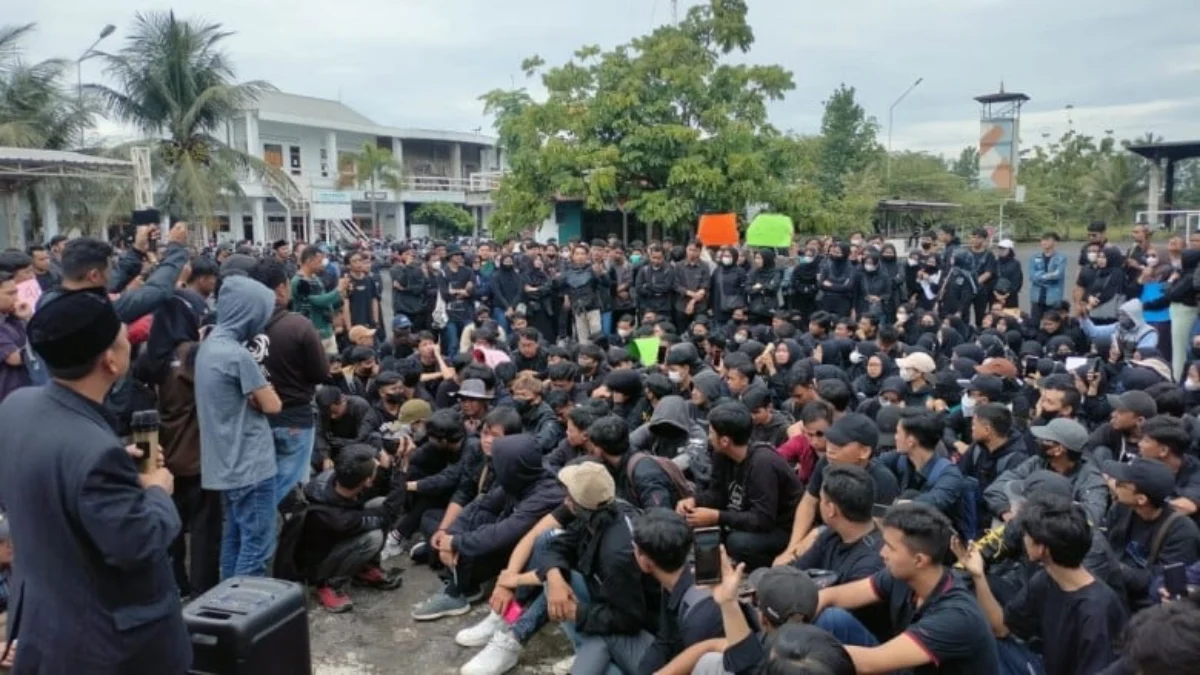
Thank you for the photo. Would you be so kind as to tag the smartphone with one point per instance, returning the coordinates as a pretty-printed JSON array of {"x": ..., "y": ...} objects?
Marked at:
[
  {"x": 1175, "y": 579},
  {"x": 1031, "y": 365},
  {"x": 707, "y": 552}
]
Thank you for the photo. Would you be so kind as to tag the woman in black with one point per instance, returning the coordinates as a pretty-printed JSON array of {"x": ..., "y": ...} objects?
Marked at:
[
  {"x": 1105, "y": 285},
  {"x": 875, "y": 287},
  {"x": 838, "y": 280},
  {"x": 762, "y": 286},
  {"x": 729, "y": 286},
  {"x": 538, "y": 291},
  {"x": 803, "y": 293},
  {"x": 506, "y": 292}
]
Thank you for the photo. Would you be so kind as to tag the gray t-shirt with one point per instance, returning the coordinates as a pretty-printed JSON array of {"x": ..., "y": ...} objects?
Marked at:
[{"x": 237, "y": 448}]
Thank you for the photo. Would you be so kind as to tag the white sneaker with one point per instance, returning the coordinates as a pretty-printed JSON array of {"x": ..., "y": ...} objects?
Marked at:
[
  {"x": 396, "y": 545},
  {"x": 479, "y": 634},
  {"x": 498, "y": 657},
  {"x": 563, "y": 667}
]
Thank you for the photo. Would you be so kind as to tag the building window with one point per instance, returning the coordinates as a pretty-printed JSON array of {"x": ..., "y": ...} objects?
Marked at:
[
  {"x": 273, "y": 154},
  {"x": 324, "y": 163},
  {"x": 294, "y": 159}
]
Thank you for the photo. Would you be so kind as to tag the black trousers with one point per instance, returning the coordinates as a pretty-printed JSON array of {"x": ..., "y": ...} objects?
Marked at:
[
  {"x": 756, "y": 549},
  {"x": 473, "y": 572},
  {"x": 196, "y": 561},
  {"x": 980, "y": 303},
  {"x": 418, "y": 507}
]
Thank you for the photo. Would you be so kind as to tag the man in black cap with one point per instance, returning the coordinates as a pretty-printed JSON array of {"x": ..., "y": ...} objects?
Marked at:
[
  {"x": 95, "y": 574},
  {"x": 1118, "y": 438},
  {"x": 1060, "y": 450},
  {"x": 1143, "y": 528}
]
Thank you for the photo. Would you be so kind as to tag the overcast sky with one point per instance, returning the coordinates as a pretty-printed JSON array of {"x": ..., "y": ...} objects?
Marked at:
[{"x": 1127, "y": 65}]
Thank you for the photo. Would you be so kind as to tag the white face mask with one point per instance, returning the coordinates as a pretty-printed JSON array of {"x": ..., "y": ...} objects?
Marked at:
[
  {"x": 1152, "y": 262},
  {"x": 884, "y": 403},
  {"x": 1191, "y": 385},
  {"x": 968, "y": 405},
  {"x": 870, "y": 268},
  {"x": 1092, "y": 255},
  {"x": 624, "y": 333},
  {"x": 913, "y": 263},
  {"x": 856, "y": 357},
  {"x": 674, "y": 376},
  {"x": 908, "y": 374},
  {"x": 436, "y": 264},
  {"x": 726, "y": 260}
]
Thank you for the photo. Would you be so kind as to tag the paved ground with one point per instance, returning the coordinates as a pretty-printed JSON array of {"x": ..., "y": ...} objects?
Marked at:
[{"x": 380, "y": 637}]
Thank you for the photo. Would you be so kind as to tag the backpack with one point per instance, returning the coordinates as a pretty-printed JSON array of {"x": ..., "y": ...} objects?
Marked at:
[
  {"x": 967, "y": 522},
  {"x": 683, "y": 487},
  {"x": 294, "y": 511}
]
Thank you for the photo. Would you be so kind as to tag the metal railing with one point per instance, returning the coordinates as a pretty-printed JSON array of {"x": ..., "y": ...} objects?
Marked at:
[{"x": 292, "y": 191}]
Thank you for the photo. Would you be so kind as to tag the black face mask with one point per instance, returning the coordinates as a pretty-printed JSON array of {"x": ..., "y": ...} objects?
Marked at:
[
  {"x": 931, "y": 269},
  {"x": 889, "y": 258},
  {"x": 523, "y": 405},
  {"x": 396, "y": 398}
]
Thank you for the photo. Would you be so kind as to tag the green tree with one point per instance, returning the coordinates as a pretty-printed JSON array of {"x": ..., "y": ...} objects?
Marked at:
[
  {"x": 444, "y": 217},
  {"x": 849, "y": 141},
  {"x": 1114, "y": 188},
  {"x": 966, "y": 166},
  {"x": 176, "y": 85},
  {"x": 371, "y": 167},
  {"x": 662, "y": 127}
]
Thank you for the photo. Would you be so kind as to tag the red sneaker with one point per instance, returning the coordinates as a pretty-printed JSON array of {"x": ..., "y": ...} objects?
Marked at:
[
  {"x": 334, "y": 600},
  {"x": 375, "y": 577}
]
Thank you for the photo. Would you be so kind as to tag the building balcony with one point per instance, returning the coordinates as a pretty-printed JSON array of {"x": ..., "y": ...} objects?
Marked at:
[{"x": 476, "y": 189}]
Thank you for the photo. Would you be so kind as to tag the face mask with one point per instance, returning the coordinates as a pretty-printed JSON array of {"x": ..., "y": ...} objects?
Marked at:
[
  {"x": 1126, "y": 323},
  {"x": 968, "y": 406},
  {"x": 674, "y": 376},
  {"x": 837, "y": 256},
  {"x": 1048, "y": 415},
  {"x": 739, "y": 339},
  {"x": 396, "y": 398},
  {"x": 804, "y": 259},
  {"x": 856, "y": 357},
  {"x": 1092, "y": 255},
  {"x": 901, "y": 317},
  {"x": 913, "y": 262},
  {"x": 884, "y": 403},
  {"x": 624, "y": 333},
  {"x": 856, "y": 242},
  {"x": 436, "y": 264},
  {"x": 889, "y": 258},
  {"x": 870, "y": 268},
  {"x": 908, "y": 374},
  {"x": 523, "y": 405},
  {"x": 726, "y": 260},
  {"x": 931, "y": 269},
  {"x": 635, "y": 258},
  {"x": 1151, "y": 262},
  {"x": 507, "y": 265},
  {"x": 1191, "y": 385}
]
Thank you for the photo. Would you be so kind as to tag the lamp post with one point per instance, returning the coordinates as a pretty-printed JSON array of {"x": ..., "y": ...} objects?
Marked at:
[
  {"x": 891, "y": 112},
  {"x": 87, "y": 54}
]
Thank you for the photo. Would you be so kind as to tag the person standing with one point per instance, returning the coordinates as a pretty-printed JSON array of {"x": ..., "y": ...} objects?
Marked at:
[
  {"x": 94, "y": 591},
  {"x": 1047, "y": 278},
  {"x": 692, "y": 279},
  {"x": 983, "y": 268},
  {"x": 13, "y": 314},
  {"x": 362, "y": 297},
  {"x": 310, "y": 298},
  {"x": 233, "y": 399}
]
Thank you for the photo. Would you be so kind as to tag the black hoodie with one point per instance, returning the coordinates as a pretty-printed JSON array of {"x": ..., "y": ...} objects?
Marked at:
[
  {"x": 762, "y": 286},
  {"x": 759, "y": 494},
  {"x": 332, "y": 518},
  {"x": 522, "y": 494}
]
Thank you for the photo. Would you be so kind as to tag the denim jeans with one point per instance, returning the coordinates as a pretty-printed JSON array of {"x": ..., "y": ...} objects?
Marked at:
[
  {"x": 501, "y": 319},
  {"x": 248, "y": 540},
  {"x": 451, "y": 334},
  {"x": 602, "y": 654},
  {"x": 846, "y": 628},
  {"x": 606, "y": 323},
  {"x": 293, "y": 453},
  {"x": 534, "y": 611}
]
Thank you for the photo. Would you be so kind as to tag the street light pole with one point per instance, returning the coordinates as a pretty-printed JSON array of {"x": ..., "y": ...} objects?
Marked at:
[
  {"x": 87, "y": 54},
  {"x": 891, "y": 114}
]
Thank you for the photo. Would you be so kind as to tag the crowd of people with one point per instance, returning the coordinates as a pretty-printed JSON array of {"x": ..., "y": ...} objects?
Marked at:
[{"x": 908, "y": 471}]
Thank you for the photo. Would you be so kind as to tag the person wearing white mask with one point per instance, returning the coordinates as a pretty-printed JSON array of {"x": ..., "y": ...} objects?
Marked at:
[
  {"x": 916, "y": 369},
  {"x": 729, "y": 286}
]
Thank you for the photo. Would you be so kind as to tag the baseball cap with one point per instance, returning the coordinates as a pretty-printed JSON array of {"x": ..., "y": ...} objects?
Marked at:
[
  {"x": 401, "y": 321},
  {"x": 784, "y": 592},
  {"x": 1066, "y": 432},
  {"x": 589, "y": 484},
  {"x": 1042, "y": 482},
  {"x": 473, "y": 389},
  {"x": 415, "y": 410},
  {"x": 988, "y": 385},
  {"x": 918, "y": 361},
  {"x": 1006, "y": 243},
  {"x": 1149, "y": 477},
  {"x": 359, "y": 332},
  {"x": 854, "y": 428},
  {"x": 1138, "y": 402}
]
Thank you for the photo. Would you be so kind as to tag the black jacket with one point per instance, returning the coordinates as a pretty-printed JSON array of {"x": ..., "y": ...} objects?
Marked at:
[
  {"x": 729, "y": 288},
  {"x": 332, "y": 518},
  {"x": 358, "y": 424},
  {"x": 1180, "y": 545},
  {"x": 523, "y": 493},
  {"x": 543, "y": 426},
  {"x": 762, "y": 287},
  {"x": 985, "y": 467},
  {"x": 650, "y": 486},
  {"x": 599, "y": 545},
  {"x": 654, "y": 288},
  {"x": 409, "y": 289},
  {"x": 758, "y": 495}
]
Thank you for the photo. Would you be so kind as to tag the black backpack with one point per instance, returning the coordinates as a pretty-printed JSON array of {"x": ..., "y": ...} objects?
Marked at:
[{"x": 288, "y": 565}]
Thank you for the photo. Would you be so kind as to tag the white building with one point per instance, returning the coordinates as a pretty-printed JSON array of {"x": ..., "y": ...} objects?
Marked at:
[{"x": 305, "y": 137}]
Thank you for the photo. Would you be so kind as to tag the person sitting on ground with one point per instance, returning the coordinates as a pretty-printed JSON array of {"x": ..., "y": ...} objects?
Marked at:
[
  {"x": 770, "y": 425},
  {"x": 850, "y": 441},
  {"x": 537, "y": 418},
  {"x": 1166, "y": 438},
  {"x": 639, "y": 478},
  {"x": 996, "y": 448},
  {"x": 575, "y": 444},
  {"x": 350, "y": 508},
  {"x": 672, "y": 433},
  {"x": 358, "y": 377},
  {"x": 474, "y": 399},
  {"x": 753, "y": 492},
  {"x": 476, "y": 545},
  {"x": 1077, "y": 618},
  {"x": 625, "y": 388},
  {"x": 1118, "y": 438},
  {"x": 431, "y": 472},
  {"x": 342, "y": 421},
  {"x": 949, "y": 633},
  {"x": 924, "y": 475}
]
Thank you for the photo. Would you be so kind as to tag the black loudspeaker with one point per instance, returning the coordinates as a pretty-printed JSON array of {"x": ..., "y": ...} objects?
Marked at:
[{"x": 250, "y": 626}]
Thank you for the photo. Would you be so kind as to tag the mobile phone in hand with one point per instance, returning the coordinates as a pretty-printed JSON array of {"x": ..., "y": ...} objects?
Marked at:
[
  {"x": 707, "y": 551},
  {"x": 1175, "y": 579}
]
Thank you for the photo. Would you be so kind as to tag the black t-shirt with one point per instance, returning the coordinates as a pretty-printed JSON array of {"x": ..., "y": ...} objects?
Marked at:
[
  {"x": 363, "y": 293},
  {"x": 1078, "y": 630},
  {"x": 886, "y": 486},
  {"x": 949, "y": 626},
  {"x": 851, "y": 561}
]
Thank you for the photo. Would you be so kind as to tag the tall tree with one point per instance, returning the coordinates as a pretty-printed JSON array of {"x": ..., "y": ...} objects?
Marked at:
[
  {"x": 849, "y": 142},
  {"x": 661, "y": 127},
  {"x": 177, "y": 86},
  {"x": 371, "y": 167},
  {"x": 1113, "y": 189},
  {"x": 444, "y": 217},
  {"x": 966, "y": 166}
]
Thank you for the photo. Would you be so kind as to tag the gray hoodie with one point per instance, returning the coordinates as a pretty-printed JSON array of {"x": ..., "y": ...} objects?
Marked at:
[
  {"x": 672, "y": 433},
  {"x": 237, "y": 446}
]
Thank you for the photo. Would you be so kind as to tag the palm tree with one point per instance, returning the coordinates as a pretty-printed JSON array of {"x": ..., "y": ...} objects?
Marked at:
[
  {"x": 1113, "y": 188},
  {"x": 372, "y": 167},
  {"x": 176, "y": 85},
  {"x": 36, "y": 111}
]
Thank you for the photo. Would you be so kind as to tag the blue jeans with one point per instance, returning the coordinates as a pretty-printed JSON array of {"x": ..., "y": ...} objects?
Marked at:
[
  {"x": 534, "y": 612},
  {"x": 293, "y": 453},
  {"x": 248, "y": 540},
  {"x": 597, "y": 654},
  {"x": 500, "y": 318},
  {"x": 451, "y": 334},
  {"x": 846, "y": 628},
  {"x": 606, "y": 322}
]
